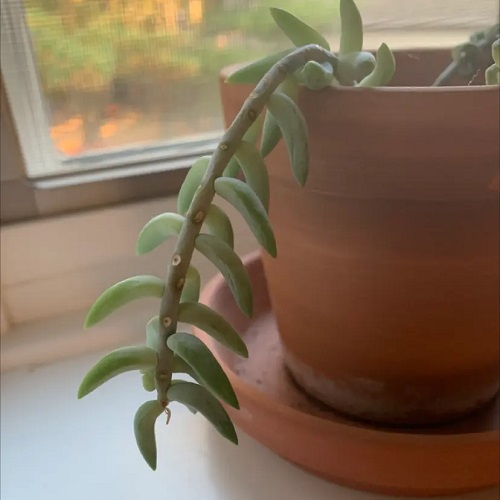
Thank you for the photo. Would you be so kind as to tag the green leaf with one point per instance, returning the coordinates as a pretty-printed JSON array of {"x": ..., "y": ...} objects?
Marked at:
[
  {"x": 384, "y": 69},
  {"x": 158, "y": 230},
  {"x": 316, "y": 76},
  {"x": 213, "y": 324},
  {"x": 252, "y": 135},
  {"x": 180, "y": 366},
  {"x": 153, "y": 333},
  {"x": 230, "y": 266},
  {"x": 122, "y": 293},
  {"x": 232, "y": 169},
  {"x": 194, "y": 352},
  {"x": 294, "y": 129},
  {"x": 492, "y": 75},
  {"x": 144, "y": 430},
  {"x": 351, "y": 28},
  {"x": 197, "y": 397},
  {"x": 253, "y": 72},
  {"x": 253, "y": 132},
  {"x": 355, "y": 66},
  {"x": 296, "y": 30},
  {"x": 495, "y": 51},
  {"x": 148, "y": 381},
  {"x": 250, "y": 207},
  {"x": 192, "y": 285},
  {"x": 114, "y": 363},
  {"x": 255, "y": 171},
  {"x": 219, "y": 225},
  {"x": 271, "y": 133},
  {"x": 191, "y": 183}
]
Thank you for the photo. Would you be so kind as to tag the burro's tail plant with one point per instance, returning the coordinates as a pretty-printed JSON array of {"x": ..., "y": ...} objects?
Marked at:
[{"x": 203, "y": 226}]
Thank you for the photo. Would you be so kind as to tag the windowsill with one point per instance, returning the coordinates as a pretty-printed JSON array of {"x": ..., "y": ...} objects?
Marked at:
[
  {"x": 85, "y": 449},
  {"x": 50, "y": 340}
]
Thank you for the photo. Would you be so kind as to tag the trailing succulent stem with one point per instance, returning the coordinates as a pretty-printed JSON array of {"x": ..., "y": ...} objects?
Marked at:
[
  {"x": 204, "y": 195},
  {"x": 168, "y": 351},
  {"x": 203, "y": 226}
]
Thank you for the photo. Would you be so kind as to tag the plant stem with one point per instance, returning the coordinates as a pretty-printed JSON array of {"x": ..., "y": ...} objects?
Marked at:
[
  {"x": 484, "y": 50},
  {"x": 203, "y": 197}
]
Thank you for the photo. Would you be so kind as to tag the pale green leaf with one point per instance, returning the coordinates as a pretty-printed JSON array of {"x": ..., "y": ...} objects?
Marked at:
[
  {"x": 208, "y": 370},
  {"x": 230, "y": 266},
  {"x": 250, "y": 207},
  {"x": 212, "y": 323},
  {"x": 122, "y": 293},
  {"x": 197, "y": 397}
]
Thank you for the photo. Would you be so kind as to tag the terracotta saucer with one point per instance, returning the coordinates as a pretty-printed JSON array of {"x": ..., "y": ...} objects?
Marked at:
[{"x": 448, "y": 459}]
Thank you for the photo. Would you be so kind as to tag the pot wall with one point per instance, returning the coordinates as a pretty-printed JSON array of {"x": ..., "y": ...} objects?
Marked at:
[{"x": 386, "y": 285}]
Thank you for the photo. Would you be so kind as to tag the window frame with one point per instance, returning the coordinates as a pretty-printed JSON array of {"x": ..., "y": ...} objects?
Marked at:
[{"x": 45, "y": 185}]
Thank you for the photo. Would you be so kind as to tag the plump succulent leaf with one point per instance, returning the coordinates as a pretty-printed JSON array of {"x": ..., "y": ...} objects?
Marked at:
[
  {"x": 144, "y": 430},
  {"x": 294, "y": 129},
  {"x": 212, "y": 323},
  {"x": 114, "y": 363},
  {"x": 255, "y": 171},
  {"x": 252, "y": 135},
  {"x": 316, "y": 76},
  {"x": 296, "y": 30},
  {"x": 153, "y": 333},
  {"x": 197, "y": 397},
  {"x": 192, "y": 285},
  {"x": 353, "y": 67},
  {"x": 492, "y": 75},
  {"x": 250, "y": 207},
  {"x": 191, "y": 183},
  {"x": 148, "y": 380},
  {"x": 157, "y": 231},
  {"x": 218, "y": 224},
  {"x": 271, "y": 133},
  {"x": 495, "y": 51},
  {"x": 122, "y": 293},
  {"x": 208, "y": 370},
  {"x": 230, "y": 266},
  {"x": 351, "y": 28},
  {"x": 383, "y": 71},
  {"x": 232, "y": 169},
  {"x": 253, "y": 72}
]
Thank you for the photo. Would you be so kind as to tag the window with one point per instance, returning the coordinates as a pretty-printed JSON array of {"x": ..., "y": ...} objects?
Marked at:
[
  {"x": 111, "y": 88},
  {"x": 113, "y": 99},
  {"x": 112, "y": 82}
]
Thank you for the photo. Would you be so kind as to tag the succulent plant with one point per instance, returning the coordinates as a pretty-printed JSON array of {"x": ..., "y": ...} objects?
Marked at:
[
  {"x": 200, "y": 225},
  {"x": 469, "y": 57},
  {"x": 492, "y": 75}
]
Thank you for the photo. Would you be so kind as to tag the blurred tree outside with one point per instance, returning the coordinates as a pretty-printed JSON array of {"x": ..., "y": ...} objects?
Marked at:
[{"x": 147, "y": 65}]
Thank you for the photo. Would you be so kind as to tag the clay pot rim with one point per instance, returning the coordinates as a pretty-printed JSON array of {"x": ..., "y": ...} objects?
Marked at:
[
  {"x": 493, "y": 89},
  {"x": 355, "y": 430}
]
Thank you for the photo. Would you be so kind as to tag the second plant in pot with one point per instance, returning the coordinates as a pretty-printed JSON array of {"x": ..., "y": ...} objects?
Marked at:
[{"x": 387, "y": 268}]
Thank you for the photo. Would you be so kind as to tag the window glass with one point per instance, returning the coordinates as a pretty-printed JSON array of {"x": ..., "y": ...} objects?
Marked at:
[{"x": 116, "y": 74}]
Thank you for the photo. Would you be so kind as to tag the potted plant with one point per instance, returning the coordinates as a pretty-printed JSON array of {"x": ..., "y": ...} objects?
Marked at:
[
  {"x": 389, "y": 257},
  {"x": 387, "y": 266}
]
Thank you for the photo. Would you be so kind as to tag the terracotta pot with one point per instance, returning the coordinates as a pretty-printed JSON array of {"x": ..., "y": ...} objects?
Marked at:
[{"x": 386, "y": 285}]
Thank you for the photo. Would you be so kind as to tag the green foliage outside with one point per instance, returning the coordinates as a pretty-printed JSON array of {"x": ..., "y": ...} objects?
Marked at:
[{"x": 83, "y": 45}]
